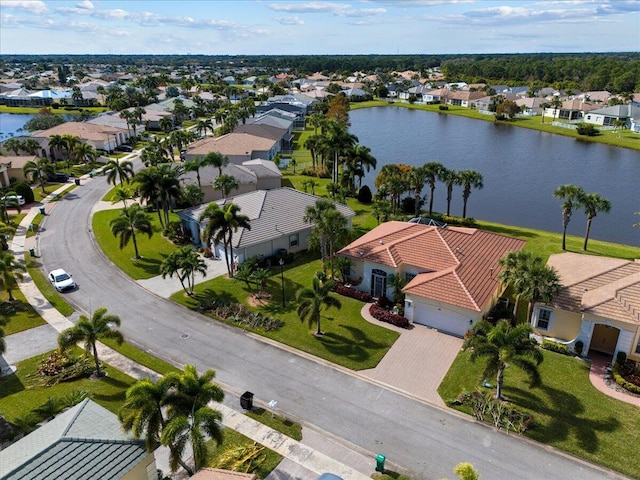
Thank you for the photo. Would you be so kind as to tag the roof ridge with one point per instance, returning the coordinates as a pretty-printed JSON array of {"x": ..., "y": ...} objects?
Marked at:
[
  {"x": 81, "y": 406},
  {"x": 465, "y": 289}
]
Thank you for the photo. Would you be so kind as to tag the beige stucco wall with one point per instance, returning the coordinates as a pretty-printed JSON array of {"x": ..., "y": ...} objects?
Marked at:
[
  {"x": 142, "y": 470},
  {"x": 564, "y": 325}
]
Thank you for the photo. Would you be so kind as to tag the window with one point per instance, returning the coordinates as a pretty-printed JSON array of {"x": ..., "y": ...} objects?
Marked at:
[
  {"x": 409, "y": 276},
  {"x": 293, "y": 240},
  {"x": 544, "y": 319},
  {"x": 638, "y": 346}
]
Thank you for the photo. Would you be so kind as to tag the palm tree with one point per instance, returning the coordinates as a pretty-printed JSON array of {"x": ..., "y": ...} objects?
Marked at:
[
  {"x": 225, "y": 183},
  {"x": 184, "y": 263},
  {"x": 121, "y": 194},
  {"x": 9, "y": 200},
  {"x": 119, "y": 170},
  {"x": 417, "y": 179},
  {"x": 571, "y": 195},
  {"x": 38, "y": 170},
  {"x": 90, "y": 331},
  {"x": 132, "y": 220},
  {"x": 222, "y": 222},
  {"x": 433, "y": 171},
  {"x": 6, "y": 232},
  {"x": 468, "y": 179},
  {"x": 203, "y": 125},
  {"x": 503, "y": 346},
  {"x": 56, "y": 144},
  {"x": 10, "y": 270},
  {"x": 217, "y": 160},
  {"x": 450, "y": 178},
  {"x": 189, "y": 418},
  {"x": 30, "y": 145},
  {"x": 194, "y": 166},
  {"x": 515, "y": 267},
  {"x": 313, "y": 215},
  {"x": 312, "y": 300},
  {"x": 337, "y": 140},
  {"x": 168, "y": 178},
  {"x": 593, "y": 203},
  {"x": 542, "y": 285},
  {"x": 191, "y": 195}
]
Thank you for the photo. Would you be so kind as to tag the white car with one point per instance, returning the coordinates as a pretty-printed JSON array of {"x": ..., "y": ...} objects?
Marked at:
[
  {"x": 13, "y": 199},
  {"x": 61, "y": 280}
]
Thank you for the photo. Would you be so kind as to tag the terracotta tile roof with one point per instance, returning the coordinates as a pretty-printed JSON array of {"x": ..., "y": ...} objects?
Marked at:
[
  {"x": 607, "y": 287},
  {"x": 231, "y": 144},
  {"x": 459, "y": 265},
  {"x": 84, "y": 130}
]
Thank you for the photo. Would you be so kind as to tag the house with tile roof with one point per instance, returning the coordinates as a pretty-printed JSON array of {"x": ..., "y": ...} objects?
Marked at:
[
  {"x": 100, "y": 137},
  {"x": 452, "y": 272},
  {"x": 85, "y": 442},
  {"x": 599, "y": 304},
  {"x": 237, "y": 147},
  {"x": 276, "y": 218}
]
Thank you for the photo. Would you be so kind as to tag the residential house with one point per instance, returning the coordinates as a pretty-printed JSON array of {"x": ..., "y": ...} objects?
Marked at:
[
  {"x": 276, "y": 218},
  {"x": 452, "y": 272},
  {"x": 298, "y": 110},
  {"x": 281, "y": 135},
  {"x": 87, "y": 441},
  {"x": 12, "y": 168},
  {"x": 463, "y": 98},
  {"x": 599, "y": 304},
  {"x": 237, "y": 147},
  {"x": 607, "y": 116},
  {"x": 100, "y": 137},
  {"x": 573, "y": 109},
  {"x": 531, "y": 106}
]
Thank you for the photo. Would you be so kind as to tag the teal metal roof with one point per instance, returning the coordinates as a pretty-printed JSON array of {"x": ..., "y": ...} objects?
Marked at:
[{"x": 85, "y": 442}]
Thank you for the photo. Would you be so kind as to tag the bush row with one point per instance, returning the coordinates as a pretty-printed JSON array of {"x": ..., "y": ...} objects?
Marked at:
[
  {"x": 555, "y": 347},
  {"x": 352, "y": 293},
  {"x": 389, "y": 317},
  {"x": 619, "y": 370}
]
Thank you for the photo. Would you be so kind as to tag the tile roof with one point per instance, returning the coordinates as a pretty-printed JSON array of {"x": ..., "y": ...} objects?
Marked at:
[
  {"x": 84, "y": 130},
  {"x": 86, "y": 441},
  {"x": 232, "y": 144},
  {"x": 458, "y": 266},
  {"x": 607, "y": 287},
  {"x": 262, "y": 130}
]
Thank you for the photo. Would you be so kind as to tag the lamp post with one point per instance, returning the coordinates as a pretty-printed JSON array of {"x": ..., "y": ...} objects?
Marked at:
[{"x": 282, "y": 278}]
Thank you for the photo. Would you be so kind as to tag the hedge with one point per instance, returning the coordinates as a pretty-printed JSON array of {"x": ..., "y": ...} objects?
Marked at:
[
  {"x": 388, "y": 317},
  {"x": 353, "y": 293}
]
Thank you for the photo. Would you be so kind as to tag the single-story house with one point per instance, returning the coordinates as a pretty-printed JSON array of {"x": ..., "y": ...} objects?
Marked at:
[
  {"x": 277, "y": 222},
  {"x": 463, "y": 98},
  {"x": 251, "y": 175},
  {"x": 237, "y": 147},
  {"x": 608, "y": 115},
  {"x": 100, "y": 137},
  {"x": 86, "y": 441},
  {"x": 12, "y": 166},
  {"x": 598, "y": 305},
  {"x": 281, "y": 135},
  {"x": 452, "y": 272}
]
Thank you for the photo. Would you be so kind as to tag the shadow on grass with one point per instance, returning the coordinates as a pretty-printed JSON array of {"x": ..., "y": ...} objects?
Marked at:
[
  {"x": 149, "y": 265},
  {"x": 566, "y": 412},
  {"x": 342, "y": 346},
  {"x": 10, "y": 385}
]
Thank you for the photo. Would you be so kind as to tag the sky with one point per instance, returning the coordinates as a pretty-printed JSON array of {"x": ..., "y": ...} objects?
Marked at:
[{"x": 266, "y": 27}]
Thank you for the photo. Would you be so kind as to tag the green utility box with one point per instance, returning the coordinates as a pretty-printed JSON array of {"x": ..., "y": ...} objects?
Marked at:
[{"x": 380, "y": 458}]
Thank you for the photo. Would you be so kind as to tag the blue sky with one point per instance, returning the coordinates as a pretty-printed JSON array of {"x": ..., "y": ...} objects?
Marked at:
[{"x": 255, "y": 27}]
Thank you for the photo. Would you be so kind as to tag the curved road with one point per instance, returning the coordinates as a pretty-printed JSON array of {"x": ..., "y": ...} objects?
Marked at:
[{"x": 424, "y": 439}]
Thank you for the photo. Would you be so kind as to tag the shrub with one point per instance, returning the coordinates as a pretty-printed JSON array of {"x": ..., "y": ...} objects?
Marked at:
[
  {"x": 443, "y": 107},
  {"x": 237, "y": 313},
  {"x": 625, "y": 376},
  {"x": 587, "y": 130},
  {"x": 388, "y": 317},
  {"x": 621, "y": 358},
  {"x": 174, "y": 232},
  {"x": 24, "y": 189},
  {"x": 352, "y": 293},
  {"x": 487, "y": 408},
  {"x": 384, "y": 302},
  {"x": 364, "y": 195},
  {"x": 555, "y": 346},
  {"x": 578, "y": 347}
]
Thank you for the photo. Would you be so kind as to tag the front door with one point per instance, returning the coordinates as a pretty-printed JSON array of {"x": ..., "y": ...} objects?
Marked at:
[
  {"x": 378, "y": 283},
  {"x": 604, "y": 339}
]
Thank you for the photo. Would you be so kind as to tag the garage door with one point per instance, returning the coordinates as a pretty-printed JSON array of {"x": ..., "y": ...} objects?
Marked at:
[{"x": 442, "y": 320}]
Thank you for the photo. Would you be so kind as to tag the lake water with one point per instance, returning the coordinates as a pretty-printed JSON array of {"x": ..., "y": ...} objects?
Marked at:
[
  {"x": 521, "y": 169},
  {"x": 11, "y": 123}
]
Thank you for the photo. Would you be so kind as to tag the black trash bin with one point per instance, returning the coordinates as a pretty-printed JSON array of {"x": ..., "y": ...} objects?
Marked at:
[
  {"x": 246, "y": 400},
  {"x": 77, "y": 181},
  {"x": 42, "y": 211},
  {"x": 32, "y": 252}
]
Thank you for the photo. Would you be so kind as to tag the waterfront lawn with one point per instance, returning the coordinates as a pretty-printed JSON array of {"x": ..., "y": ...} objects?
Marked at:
[
  {"x": 21, "y": 393},
  {"x": 569, "y": 412},
  {"x": 349, "y": 340},
  {"x": 153, "y": 250}
]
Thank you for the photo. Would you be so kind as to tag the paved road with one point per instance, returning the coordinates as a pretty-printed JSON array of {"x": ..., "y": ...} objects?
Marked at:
[{"x": 425, "y": 440}]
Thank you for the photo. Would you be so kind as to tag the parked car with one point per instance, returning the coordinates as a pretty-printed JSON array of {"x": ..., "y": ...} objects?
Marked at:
[
  {"x": 10, "y": 200},
  {"x": 58, "y": 177},
  {"x": 124, "y": 148},
  {"x": 61, "y": 280}
]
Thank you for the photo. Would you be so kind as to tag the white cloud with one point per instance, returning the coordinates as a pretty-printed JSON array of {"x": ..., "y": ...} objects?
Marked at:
[
  {"x": 290, "y": 20},
  {"x": 85, "y": 4},
  {"x": 33, "y": 6}
]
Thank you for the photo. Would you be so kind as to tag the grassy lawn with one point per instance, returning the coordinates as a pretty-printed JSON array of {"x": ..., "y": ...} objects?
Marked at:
[
  {"x": 21, "y": 393},
  {"x": 349, "y": 340},
  {"x": 24, "y": 318},
  {"x": 141, "y": 357},
  {"x": 47, "y": 290},
  {"x": 35, "y": 225},
  {"x": 569, "y": 413},
  {"x": 234, "y": 440},
  {"x": 282, "y": 425},
  {"x": 153, "y": 250}
]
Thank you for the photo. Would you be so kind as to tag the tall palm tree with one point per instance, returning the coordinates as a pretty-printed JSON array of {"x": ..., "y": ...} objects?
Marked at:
[
  {"x": 168, "y": 188},
  {"x": 217, "y": 160},
  {"x": 225, "y": 183},
  {"x": 56, "y": 144},
  {"x": 38, "y": 170},
  {"x": 468, "y": 179},
  {"x": 515, "y": 268},
  {"x": 70, "y": 142},
  {"x": 417, "y": 178},
  {"x": 314, "y": 144},
  {"x": 542, "y": 285},
  {"x": 185, "y": 264},
  {"x": 450, "y": 178},
  {"x": 433, "y": 171},
  {"x": 132, "y": 220},
  {"x": 190, "y": 419},
  {"x": 337, "y": 140},
  {"x": 359, "y": 158},
  {"x": 593, "y": 203},
  {"x": 502, "y": 346},
  {"x": 90, "y": 331},
  {"x": 203, "y": 125},
  {"x": 312, "y": 300},
  {"x": 314, "y": 215},
  {"x": 10, "y": 270},
  {"x": 85, "y": 153},
  {"x": 30, "y": 145},
  {"x": 571, "y": 195},
  {"x": 9, "y": 200},
  {"x": 119, "y": 170},
  {"x": 6, "y": 232},
  {"x": 194, "y": 166}
]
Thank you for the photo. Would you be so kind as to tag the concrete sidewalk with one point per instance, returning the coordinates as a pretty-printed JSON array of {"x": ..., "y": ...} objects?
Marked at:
[{"x": 303, "y": 461}]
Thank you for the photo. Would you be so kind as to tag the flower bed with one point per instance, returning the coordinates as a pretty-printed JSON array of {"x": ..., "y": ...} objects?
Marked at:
[
  {"x": 389, "y": 317},
  {"x": 352, "y": 293}
]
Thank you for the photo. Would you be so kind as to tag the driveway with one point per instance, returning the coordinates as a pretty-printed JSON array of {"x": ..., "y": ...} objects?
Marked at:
[{"x": 417, "y": 362}]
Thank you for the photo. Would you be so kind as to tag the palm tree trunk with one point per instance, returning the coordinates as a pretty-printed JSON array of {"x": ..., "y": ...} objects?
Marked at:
[
  {"x": 135, "y": 243},
  {"x": 499, "y": 380},
  {"x": 431, "y": 201},
  {"x": 181, "y": 462},
  {"x": 449, "y": 195},
  {"x": 95, "y": 358},
  {"x": 564, "y": 237},
  {"x": 586, "y": 235}
]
